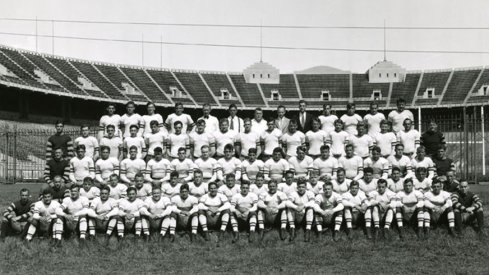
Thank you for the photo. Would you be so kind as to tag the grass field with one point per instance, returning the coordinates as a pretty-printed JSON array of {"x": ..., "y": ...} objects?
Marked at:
[{"x": 440, "y": 254}]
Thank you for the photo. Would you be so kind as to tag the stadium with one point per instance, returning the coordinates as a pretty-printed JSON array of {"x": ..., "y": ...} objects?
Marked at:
[{"x": 38, "y": 88}]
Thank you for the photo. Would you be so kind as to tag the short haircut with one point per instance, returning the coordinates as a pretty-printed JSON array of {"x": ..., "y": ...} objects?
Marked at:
[
  {"x": 368, "y": 170},
  {"x": 395, "y": 168},
  {"x": 232, "y": 105},
  {"x": 212, "y": 183},
  {"x": 153, "y": 123},
  {"x": 134, "y": 126},
  {"x": 150, "y": 103},
  {"x": 182, "y": 149},
  {"x": 105, "y": 187},
  {"x": 110, "y": 126},
  {"x": 200, "y": 122},
  {"x": 198, "y": 171},
  {"x": 80, "y": 146},
  {"x": 130, "y": 103},
  {"x": 383, "y": 181},
  {"x": 245, "y": 182},
  {"x": 104, "y": 148},
  {"x": 47, "y": 191},
  {"x": 252, "y": 151},
  {"x": 184, "y": 187},
  {"x": 134, "y": 147},
  {"x": 229, "y": 146},
  {"x": 259, "y": 175},
  {"x": 178, "y": 104},
  {"x": 324, "y": 147},
  {"x": 230, "y": 176},
  {"x": 376, "y": 149},
  {"x": 174, "y": 174},
  {"x": 278, "y": 150},
  {"x": 158, "y": 150},
  {"x": 354, "y": 183},
  {"x": 139, "y": 175},
  {"x": 177, "y": 123},
  {"x": 58, "y": 122},
  {"x": 421, "y": 169},
  {"x": 88, "y": 180},
  {"x": 340, "y": 169},
  {"x": 400, "y": 100},
  {"x": 131, "y": 188},
  {"x": 23, "y": 190},
  {"x": 281, "y": 106},
  {"x": 338, "y": 121},
  {"x": 84, "y": 126},
  {"x": 301, "y": 181},
  {"x": 302, "y": 101},
  {"x": 350, "y": 105},
  {"x": 408, "y": 180}
]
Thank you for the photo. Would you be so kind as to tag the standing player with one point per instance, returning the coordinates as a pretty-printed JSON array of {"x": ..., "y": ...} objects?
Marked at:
[
  {"x": 131, "y": 166},
  {"x": 199, "y": 138},
  {"x": 269, "y": 140},
  {"x": 397, "y": 117},
  {"x": 315, "y": 138},
  {"x": 355, "y": 202},
  {"x": 362, "y": 143},
  {"x": 329, "y": 210},
  {"x": 185, "y": 210},
  {"x": 184, "y": 166},
  {"x": 158, "y": 169},
  {"x": 293, "y": 139},
  {"x": 90, "y": 142},
  {"x": 105, "y": 166},
  {"x": 16, "y": 215},
  {"x": 300, "y": 210},
  {"x": 327, "y": 119},
  {"x": 113, "y": 142},
  {"x": 243, "y": 209},
  {"x": 57, "y": 166},
  {"x": 131, "y": 118},
  {"x": 438, "y": 208},
  {"x": 409, "y": 138},
  {"x": 258, "y": 124},
  {"x": 272, "y": 206},
  {"x": 249, "y": 138},
  {"x": 59, "y": 140},
  {"x": 133, "y": 140},
  {"x": 401, "y": 161},
  {"x": 111, "y": 118},
  {"x": 73, "y": 212},
  {"x": 383, "y": 203},
  {"x": 350, "y": 119},
  {"x": 213, "y": 209},
  {"x": 184, "y": 119},
  {"x": 468, "y": 207},
  {"x": 275, "y": 167},
  {"x": 45, "y": 219},
  {"x": 325, "y": 166},
  {"x": 177, "y": 139},
  {"x": 155, "y": 215},
  {"x": 385, "y": 140},
  {"x": 380, "y": 165},
  {"x": 410, "y": 205},
  {"x": 154, "y": 138},
  {"x": 353, "y": 165},
  {"x": 251, "y": 167},
  {"x": 211, "y": 122},
  {"x": 81, "y": 166},
  {"x": 208, "y": 166},
  {"x": 224, "y": 137},
  {"x": 337, "y": 139},
  {"x": 150, "y": 117},
  {"x": 373, "y": 119}
]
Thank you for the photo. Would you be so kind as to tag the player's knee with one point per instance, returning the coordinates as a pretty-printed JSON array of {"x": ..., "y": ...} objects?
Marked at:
[{"x": 173, "y": 215}]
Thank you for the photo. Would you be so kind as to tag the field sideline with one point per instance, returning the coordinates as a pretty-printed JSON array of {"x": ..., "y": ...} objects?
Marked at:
[{"x": 440, "y": 254}]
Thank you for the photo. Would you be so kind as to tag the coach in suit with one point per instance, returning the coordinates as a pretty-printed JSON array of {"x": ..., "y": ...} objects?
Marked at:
[
  {"x": 304, "y": 118},
  {"x": 281, "y": 122}
]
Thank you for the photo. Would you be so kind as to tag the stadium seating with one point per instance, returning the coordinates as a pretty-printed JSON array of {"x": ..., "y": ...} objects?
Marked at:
[
  {"x": 363, "y": 89},
  {"x": 312, "y": 85},
  {"x": 249, "y": 92},
  {"x": 27, "y": 78},
  {"x": 483, "y": 80},
  {"x": 405, "y": 89},
  {"x": 460, "y": 85},
  {"x": 166, "y": 81},
  {"x": 436, "y": 80},
  {"x": 195, "y": 87},
  {"x": 117, "y": 78},
  {"x": 426, "y": 101},
  {"x": 142, "y": 81},
  {"x": 287, "y": 88},
  {"x": 216, "y": 82}
]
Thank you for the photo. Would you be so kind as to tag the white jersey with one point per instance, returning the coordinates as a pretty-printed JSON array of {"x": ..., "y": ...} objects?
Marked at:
[
  {"x": 385, "y": 200},
  {"x": 315, "y": 189},
  {"x": 106, "y": 120},
  {"x": 42, "y": 210},
  {"x": 130, "y": 167},
  {"x": 351, "y": 122},
  {"x": 211, "y": 124},
  {"x": 158, "y": 169},
  {"x": 373, "y": 123},
  {"x": 135, "y": 141},
  {"x": 209, "y": 167},
  {"x": 154, "y": 140},
  {"x": 198, "y": 140},
  {"x": 353, "y": 166},
  {"x": 326, "y": 203},
  {"x": 292, "y": 141},
  {"x": 403, "y": 163},
  {"x": 229, "y": 192},
  {"x": 433, "y": 201},
  {"x": 409, "y": 139},
  {"x": 82, "y": 168},
  {"x": 272, "y": 201},
  {"x": 315, "y": 141},
  {"x": 259, "y": 191},
  {"x": 410, "y": 200},
  {"x": 244, "y": 203},
  {"x": 338, "y": 140},
  {"x": 184, "y": 168},
  {"x": 306, "y": 199},
  {"x": 422, "y": 185},
  {"x": 147, "y": 120},
  {"x": 251, "y": 169},
  {"x": 185, "y": 119},
  {"x": 156, "y": 207},
  {"x": 381, "y": 167},
  {"x": 275, "y": 169},
  {"x": 325, "y": 167},
  {"x": 198, "y": 190},
  {"x": 213, "y": 203},
  {"x": 286, "y": 188},
  {"x": 426, "y": 163},
  {"x": 90, "y": 143},
  {"x": 144, "y": 192},
  {"x": 127, "y": 121},
  {"x": 189, "y": 204},
  {"x": 106, "y": 167},
  {"x": 129, "y": 207},
  {"x": 72, "y": 207},
  {"x": 341, "y": 187},
  {"x": 301, "y": 168},
  {"x": 270, "y": 140},
  {"x": 91, "y": 194},
  {"x": 232, "y": 166},
  {"x": 115, "y": 145},
  {"x": 169, "y": 190},
  {"x": 176, "y": 142},
  {"x": 103, "y": 207},
  {"x": 395, "y": 186},
  {"x": 386, "y": 142},
  {"x": 397, "y": 119},
  {"x": 327, "y": 123},
  {"x": 222, "y": 139},
  {"x": 362, "y": 145},
  {"x": 248, "y": 141},
  {"x": 349, "y": 200},
  {"x": 118, "y": 192},
  {"x": 367, "y": 187},
  {"x": 258, "y": 127}
]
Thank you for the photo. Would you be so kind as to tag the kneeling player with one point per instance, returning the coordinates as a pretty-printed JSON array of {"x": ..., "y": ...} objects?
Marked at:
[
  {"x": 300, "y": 209},
  {"x": 272, "y": 206},
  {"x": 329, "y": 210},
  {"x": 155, "y": 215},
  {"x": 438, "y": 208},
  {"x": 468, "y": 207},
  {"x": 382, "y": 203},
  {"x": 185, "y": 211},
  {"x": 129, "y": 212},
  {"x": 410, "y": 205},
  {"x": 243, "y": 208},
  {"x": 74, "y": 211},
  {"x": 355, "y": 202},
  {"x": 213, "y": 209},
  {"x": 103, "y": 216},
  {"x": 17, "y": 215}
]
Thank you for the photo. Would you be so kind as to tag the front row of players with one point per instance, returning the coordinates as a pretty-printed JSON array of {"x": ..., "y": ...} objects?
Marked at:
[{"x": 295, "y": 205}]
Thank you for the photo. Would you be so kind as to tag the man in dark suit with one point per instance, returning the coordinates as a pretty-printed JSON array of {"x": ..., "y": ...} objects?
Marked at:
[
  {"x": 304, "y": 119},
  {"x": 281, "y": 122}
]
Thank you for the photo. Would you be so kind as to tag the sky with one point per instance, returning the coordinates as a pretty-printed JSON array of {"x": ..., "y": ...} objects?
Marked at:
[{"x": 352, "y": 13}]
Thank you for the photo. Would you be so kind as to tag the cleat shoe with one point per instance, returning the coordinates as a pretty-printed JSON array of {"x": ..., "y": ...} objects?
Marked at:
[
  {"x": 172, "y": 238},
  {"x": 426, "y": 233},
  {"x": 292, "y": 235},
  {"x": 251, "y": 237},
  {"x": 401, "y": 233},
  {"x": 235, "y": 237},
  {"x": 282, "y": 234},
  {"x": 262, "y": 234},
  {"x": 376, "y": 233},
  {"x": 336, "y": 235},
  {"x": 348, "y": 234},
  {"x": 307, "y": 236},
  {"x": 387, "y": 234},
  {"x": 418, "y": 233},
  {"x": 193, "y": 237},
  {"x": 368, "y": 230},
  {"x": 206, "y": 236}
]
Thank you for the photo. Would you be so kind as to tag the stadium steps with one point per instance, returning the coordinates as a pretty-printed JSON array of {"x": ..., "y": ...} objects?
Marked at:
[
  {"x": 406, "y": 89},
  {"x": 54, "y": 73},
  {"x": 216, "y": 82},
  {"x": 73, "y": 74},
  {"x": 460, "y": 86},
  {"x": 436, "y": 80},
  {"x": 248, "y": 92},
  {"x": 287, "y": 89},
  {"x": 15, "y": 68},
  {"x": 143, "y": 82},
  {"x": 192, "y": 83},
  {"x": 311, "y": 85},
  {"x": 363, "y": 89},
  {"x": 89, "y": 71},
  {"x": 116, "y": 77},
  {"x": 166, "y": 81},
  {"x": 473, "y": 97}
]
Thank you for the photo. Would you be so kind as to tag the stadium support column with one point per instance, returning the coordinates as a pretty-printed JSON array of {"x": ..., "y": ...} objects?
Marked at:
[
  {"x": 66, "y": 109},
  {"x": 419, "y": 119},
  {"x": 483, "y": 142},
  {"x": 466, "y": 144},
  {"x": 24, "y": 105}
]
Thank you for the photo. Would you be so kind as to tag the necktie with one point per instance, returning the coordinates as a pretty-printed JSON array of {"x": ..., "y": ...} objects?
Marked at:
[
  {"x": 232, "y": 124},
  {"x": 303, "y": 120},
  {"x": 206, "y": 117}
]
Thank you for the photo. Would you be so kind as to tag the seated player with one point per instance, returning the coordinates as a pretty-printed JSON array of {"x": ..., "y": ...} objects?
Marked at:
[
  {"x": 155, "y": 138},
  {"x": 380, "y": 165},
  {"x": 59, "y": 191},
  {"x": 185, "y": 211},
  {"x": 341, "y": 184},
  {"x": 362, "y": 143},
  {"x": 325, "y": 165},
  {"x": 410, "y": 203},
  {"x": 200, "y": 138},
  {"x": 251, "y": 166},
  {"x": 57, "y": 166},
  {"x": 401, "y": 161},
  {"x": 300, "y": 210},
  {"x": 81, "y": 166},
  {"x": 176, "y": 140},
  {"x": 352, "y": 164},
  {"x": 301, "y": 164},
  {"x": 438, "y": 208},
  {"x": 90, "y": 142},
  {"x": 197, "y": 187},
  {"x": 468, "y": 208},
  {"x": 329, "y": 210},
  {"x": 184, "y": 166},
  {"x": 129, "y": 208},
  {"x": 272, "y": 210},
  {"x": 368, "y": 183},
  {"x": 385, "y": 140},
  {"x": 103, "y": 216},
  {"x": 89, "y": 190},
  {"x": 158, "y": 169},
  {"x": 45, "y": 219},
  {"x": 243, "y": 210},
  {"x": 292, "y": 139},
  {"x": 156, "y": 216},
  {"x": 105, "y": 166},
  {"x": 117, "y": 190},
  {"x": 289, "y": 186},
  {"x": 337, "y": 140},
  {"x": 259, "y": 187},
  {"x": 171, "y": 188},
  {"x": 275, "y": 167},
  {"x": 382, "y": 203},
  {"x": 229, "y": 164},
  {"x": 421, "y": 160},
  {"x": 395, "y": 183},
  {"x": 451, "y": 185},
  {"x": 143, "y": 189},
  {"x": 73, "y": 212},
  {"x": 213, "y": 211},
  {"x": 355, "y": 202},
  {"x": 208, "y": 166},
  {"x": 16, "y": 215},
  {"x": 131, "y": 166},
  {"x": 314, "y": 184},
  {"x": 420, "y": 181},
  {"x": 229, "y": 188},
  {"x": 114, "y": 142},
  {"x": 134, "y": 140}
]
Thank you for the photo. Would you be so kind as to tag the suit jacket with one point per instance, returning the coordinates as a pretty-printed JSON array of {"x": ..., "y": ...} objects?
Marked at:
[
  {"x": 285, "y": 124},
  {"x": 307, "y": 124}
]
